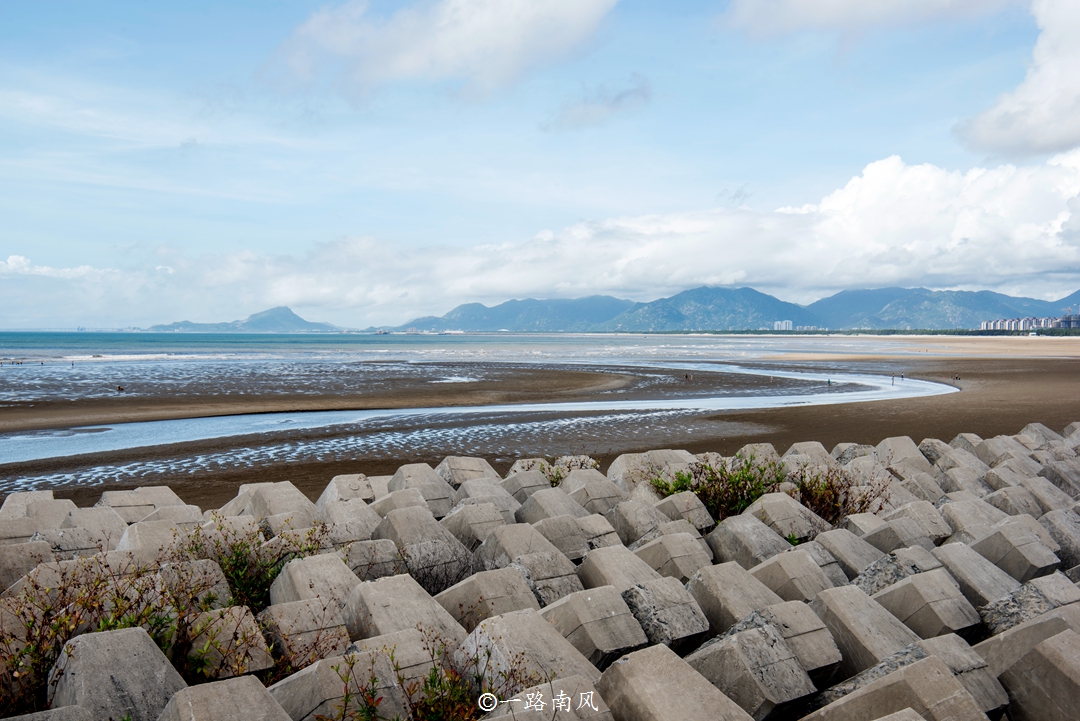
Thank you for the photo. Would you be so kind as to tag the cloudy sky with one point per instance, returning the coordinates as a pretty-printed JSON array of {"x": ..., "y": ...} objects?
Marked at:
[{"x": 368, "y": 162}]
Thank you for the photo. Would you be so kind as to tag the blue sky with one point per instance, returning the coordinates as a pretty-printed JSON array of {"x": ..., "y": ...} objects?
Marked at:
[{"x": 367, "y": 163}]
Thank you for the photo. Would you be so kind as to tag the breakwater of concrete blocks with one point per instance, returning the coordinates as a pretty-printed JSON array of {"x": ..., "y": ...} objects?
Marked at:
[{"x": 561, "y": 592}]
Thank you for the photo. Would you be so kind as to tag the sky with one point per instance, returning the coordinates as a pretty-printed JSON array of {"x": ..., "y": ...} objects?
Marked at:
[{"x": 369, "y": 162}]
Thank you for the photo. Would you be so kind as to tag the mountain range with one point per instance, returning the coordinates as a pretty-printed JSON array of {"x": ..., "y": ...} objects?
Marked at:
[
  {"x": 705, "y": 308},
  {"x": 275, "y": 320},
  {"x": 698, "y": 309}
]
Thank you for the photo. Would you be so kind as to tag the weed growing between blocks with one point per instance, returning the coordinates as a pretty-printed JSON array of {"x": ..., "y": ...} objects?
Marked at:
[
  {"x": 447, "y": 692},
  {"x": 173, "y": 596},
  {"x": 729, "y": 489}
]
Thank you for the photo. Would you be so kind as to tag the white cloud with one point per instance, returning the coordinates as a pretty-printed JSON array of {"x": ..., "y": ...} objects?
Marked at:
[
  {"x": 775, "y": 17},
  {"x": 1010, "y": 228},
  {"x": 1042, "y": 115},
  {"x": 596, "y": 106},
  {"x": 485, "y": 43}
]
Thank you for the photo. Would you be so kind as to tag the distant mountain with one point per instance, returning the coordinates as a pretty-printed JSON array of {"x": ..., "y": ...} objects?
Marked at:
[
  {"x": 275, "y": 320},
  {"x": 550, "y": 316},
  {"x": 707, "y": 308},
  {"x": 911, "y": 308},
  {"x": 710, "y": 309}
]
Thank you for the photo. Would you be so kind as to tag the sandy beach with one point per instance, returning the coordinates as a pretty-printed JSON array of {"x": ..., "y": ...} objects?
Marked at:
[{"x": 1004, "y": 384}]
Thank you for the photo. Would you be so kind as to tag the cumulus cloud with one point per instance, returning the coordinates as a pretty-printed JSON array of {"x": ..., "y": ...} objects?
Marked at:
[
  {"x": 1042, "y": 115},
  {"x": 483, "y": 43},
  {"x": 596, "y": 106},
  {"x": 776, "y": 17},
  {"x": 1010, "y": 228}
]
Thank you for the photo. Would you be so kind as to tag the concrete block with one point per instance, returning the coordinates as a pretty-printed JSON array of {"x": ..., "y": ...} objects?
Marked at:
[
  {"x": 656, "y": 685},
  {"x": 754, "y": 668},
  {"x": 667, "y": 613},
  {"x": 930, "y": 604},
  {"x": 793, "y": 576},
  {"x": 240, "y": 699},
  {"x": 677, "y": 555},
  {"x": 844, "y": 453},
  {"x": 851, "y": 552},
  {"x": 1032, "y": 599},
  {"x": 318, "y": 691},
  {"x": 687, "y": 506},
  {"x": 899, "y": 533},
  {"x": 966, "y": 666},
  {"x": 347, "y": 487},
  {"x": 927, "y": 687},
  {"x": 598, "y": 532},
  {"x": 803, "y": 632},
  {"x": 17, "y": 530},
  {"x": 406, "y": 498},
  {"x": 902, "y": 448},
  {"x": 862, "y": 523},
  {"x": 49, "y": 513},
  {"x": 348, "y": 521},
  {"x": 152, "y": 540},
  {"x": 1047, "y": 495},
  {"x": 433, "y": 556},
  {"x": 994, "y": 450},
  {"x": 487, "y": 594},
  {"x": 438, "y": 494},
  {"x": 524, "y": 484},
  {"x": 728, "y": 593},
  {"x": 614, "y": 566},
  {"x": 281, "y": 498},
  {"x": 924, "y": 514},
  {"x": 863, "y": 630},
  {"x": 18, "y": 559},
  {"x": 1064, "y": 528},
  {"x": 980, "y": 581},
  {"x": 963, "y": 478},
  {"x": 787, "y": 517},
  {"x": 1063, "y": 474},
  {"x": 113, "y": 674},
  {"x": 745, "y": 540},
  {"x": 825, "y": 561},
  {"x": 598, "y": 623},
  {"x": 411, "y": 649},
  {"x": 548, "y": 504},
  {"x": 302, "y": 632},
  {"x": 970, "y": 520},
  {"x": 325, "y": 577},
  {"x": 140, "y": 502},
  {"x": 808, "y": 453},
  {"x": 395, "y": 603},
  {"x": 1008, "y": 647},
  {"x": 634, "y": 472},
  {"x": 369, "y": 560},
  {"x": 455, "y": 470},
  {"x": 67, "y": 713},
  {"x": 228, "y": 642},
  {"x": 595, "y": 495},
  {"x": 527, "y": 640},
  {"x": 683, "y": 526},
  {"x": 894, "y": 567},
  {"x": 548, "y": 572},
  {"x": 1015, "y": 500},
  {"x": 483, "y": 491},
  {"x": 105, "y": 523},
  {"x": 1017, "y": 551},
  {"x": 68, "y": 543},
  {"x": 566, "y": 534},
  {"x": 14, "y": 505},
  {"x": 966, "y": 442},
  {"x": 1045, "y": 683},
  {"x": 472, "y": 523}
]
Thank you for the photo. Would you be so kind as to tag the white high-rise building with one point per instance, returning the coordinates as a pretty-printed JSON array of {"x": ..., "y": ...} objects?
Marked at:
[{"x": 782, "y": 325}]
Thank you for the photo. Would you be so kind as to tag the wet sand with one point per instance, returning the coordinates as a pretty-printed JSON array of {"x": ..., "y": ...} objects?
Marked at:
[{"x": 1003, "y": 387}]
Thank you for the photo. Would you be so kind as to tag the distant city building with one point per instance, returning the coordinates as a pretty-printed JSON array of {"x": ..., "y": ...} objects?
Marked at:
[
  {"x": 782, "y": 325},
  {"x": 1069, "y": 321}
]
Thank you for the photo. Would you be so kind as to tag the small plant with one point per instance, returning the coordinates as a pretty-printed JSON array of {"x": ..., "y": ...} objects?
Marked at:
[
  {"x": 360, "y": 699},
  {"x": 792, "y": 539}
]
